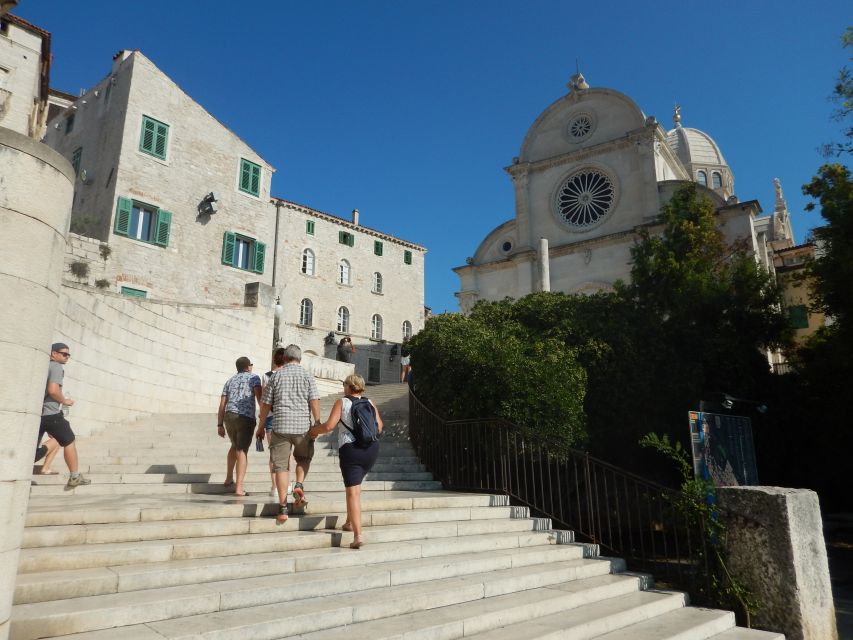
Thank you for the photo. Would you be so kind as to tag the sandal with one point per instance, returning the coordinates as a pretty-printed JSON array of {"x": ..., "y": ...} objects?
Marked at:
[
  {"x": 281, "y": 518},
  {"x": 48, "y": 473},
  {"x": 299, "y": 500},
  {"x": 346, "y": 526},
  {"x": 358, "y": 543}
]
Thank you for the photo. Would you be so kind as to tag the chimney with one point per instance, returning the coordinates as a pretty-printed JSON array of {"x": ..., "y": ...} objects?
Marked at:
[{"x": 355, "y": 217}]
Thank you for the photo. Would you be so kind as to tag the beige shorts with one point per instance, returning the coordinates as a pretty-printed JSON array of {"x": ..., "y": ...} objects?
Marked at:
[{"x": 281, "y": 445}]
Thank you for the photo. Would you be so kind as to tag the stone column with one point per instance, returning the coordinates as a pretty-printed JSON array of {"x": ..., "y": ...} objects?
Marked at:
[
  {"x": 544, "y": 265},
  {"x": 36, "y": 191},
  {"x": 775, "y": 545}
]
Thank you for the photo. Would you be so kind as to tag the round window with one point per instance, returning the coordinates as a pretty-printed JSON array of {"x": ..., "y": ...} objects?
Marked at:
[
  {"x": 506, "y": 246},
  {"x": 580, "y": 126},
  {"x": 585, "y": 198}
]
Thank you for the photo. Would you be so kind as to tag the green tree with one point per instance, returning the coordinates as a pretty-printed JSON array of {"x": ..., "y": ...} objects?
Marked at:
[
  {"x": 843, "y": 97},
  {"x": 488, "y": 365}
]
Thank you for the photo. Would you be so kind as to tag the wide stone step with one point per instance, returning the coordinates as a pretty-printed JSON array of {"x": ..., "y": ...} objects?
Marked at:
[
  {"x": 54, "y": 536},
  {"x": 210, "y": 463},
  {"x": 258, "y": 539},
  {"x": 215, "y": 468},
  {"x": 321, "y": 474},
  {"x": 46, "y": 511},
  {"x": 688, "y": 623},
  {"x": 222, "y": 610},
  {"x": 403, "y": 559},
  {"x": 215, "y": 488}
]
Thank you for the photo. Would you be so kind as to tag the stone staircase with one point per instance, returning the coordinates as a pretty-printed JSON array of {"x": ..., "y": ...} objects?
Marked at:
[{"x": 155, "y": 549}]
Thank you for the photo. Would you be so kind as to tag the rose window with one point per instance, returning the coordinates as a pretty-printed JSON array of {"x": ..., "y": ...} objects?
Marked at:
[
  {"x": 580, "y": 126},
  {"x": 585, "y": 198}
]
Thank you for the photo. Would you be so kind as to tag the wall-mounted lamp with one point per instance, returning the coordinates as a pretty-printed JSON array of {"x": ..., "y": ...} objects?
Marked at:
[{"x": 209, "y": 204}]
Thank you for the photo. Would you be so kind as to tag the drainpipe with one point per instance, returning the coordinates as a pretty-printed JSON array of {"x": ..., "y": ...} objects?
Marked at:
[{"x": 275, "y": 241}]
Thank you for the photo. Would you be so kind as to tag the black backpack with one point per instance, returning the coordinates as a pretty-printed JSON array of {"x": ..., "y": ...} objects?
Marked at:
[{"x": 364, "y": 428}]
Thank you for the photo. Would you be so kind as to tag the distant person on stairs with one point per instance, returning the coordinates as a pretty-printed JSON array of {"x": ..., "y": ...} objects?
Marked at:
[
  {"x": 345, "y": 350},
  {"x": 53, "y": 420},
  {"x": 236, "y": 417},
  {"x": 294, "y": 400},
  {"x": 356, "y": 457}
]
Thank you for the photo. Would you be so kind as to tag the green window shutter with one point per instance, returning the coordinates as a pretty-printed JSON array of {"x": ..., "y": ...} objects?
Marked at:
[
  {"x": 122, "y": 223},
  {"x": 260, "y": 250},
  {"x": 309, "y": 227},
  {"x": 228, "y": 248},
  {"x": 134, "y": 293},
  {"x": 351, "y": 239},
  {"x": 342, "y": 237},
  {"x": 154, "y": 137},
  {"x": 250, "y": 177},
  {"x": 377, "y": 247},
  {"x": 75, "y": 160},
  {"x": 161, "y": 136},
  {"x": 407, "y": 257},
  {"x": 162, "y": 230},
  {"x": 799, "y": 316}
]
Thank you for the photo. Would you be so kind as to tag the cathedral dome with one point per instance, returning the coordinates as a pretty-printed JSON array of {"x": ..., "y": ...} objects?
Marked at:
[{"x": 694, "y": 147}]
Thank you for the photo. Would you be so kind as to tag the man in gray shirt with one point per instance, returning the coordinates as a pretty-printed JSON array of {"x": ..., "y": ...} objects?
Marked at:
[
  {"x": 53, "y": 422},
  {"x": 292, "y": 395}
]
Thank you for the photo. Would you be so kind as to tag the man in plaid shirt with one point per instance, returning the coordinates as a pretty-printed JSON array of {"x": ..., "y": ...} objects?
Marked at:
[{"x": 295, "y": 402}]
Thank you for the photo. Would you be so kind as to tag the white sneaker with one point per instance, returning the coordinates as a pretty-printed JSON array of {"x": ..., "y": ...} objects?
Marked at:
[{"x": 273, "y": 492}]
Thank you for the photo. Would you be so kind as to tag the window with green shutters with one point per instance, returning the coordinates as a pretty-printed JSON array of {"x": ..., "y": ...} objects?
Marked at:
[
  {"x": 76, "y": 157},
  {"x": 154, "y": 138},
  {"x": 143, "y": 222},
  {"x": 243, "y": 252},
  {"x": 377, "y": 248},
  {"x": 344, "y": 237},
  {"x": 250, "y": 177},
  {"x": 407, "y": 257},
  {"x": 133, "y": 293},
  {"x": 309, "y": 227},
  {"x": 798, "y": 316}
]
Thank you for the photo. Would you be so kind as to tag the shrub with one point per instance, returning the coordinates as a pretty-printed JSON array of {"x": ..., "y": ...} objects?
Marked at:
[{"x": 80, "y": 269}]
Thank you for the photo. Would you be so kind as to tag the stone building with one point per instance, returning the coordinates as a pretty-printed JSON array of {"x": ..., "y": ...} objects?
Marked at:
[
  {"x": 24, "y": 76},
  {"x": 171, "y": 205},
  {"x": 179, "y": 199},
  {"x": 593, "y": 170},
  {"x": 337, "y": 277}
]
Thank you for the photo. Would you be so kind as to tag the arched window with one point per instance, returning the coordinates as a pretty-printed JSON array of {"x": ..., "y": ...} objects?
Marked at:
[
  {"x": 376, "y": 327},
  {"x": 716, "y": 180},
  {"x": 343, "y": 320},
  {"x": 306, "y": 312},
  {"x": 344, "y": 272},
  {"x": 308, "y": 262},
  {"x": 407, "y": 329},
  {"x": 377, "y": 282},
  {"x": 702, "y": 178}
]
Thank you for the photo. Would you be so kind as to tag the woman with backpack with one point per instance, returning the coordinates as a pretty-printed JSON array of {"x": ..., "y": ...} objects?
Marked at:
[{"x": 359, "y": 425}]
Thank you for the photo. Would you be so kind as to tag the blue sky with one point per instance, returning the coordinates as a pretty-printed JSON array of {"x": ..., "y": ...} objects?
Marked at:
[{"x": 409, "y": 111}]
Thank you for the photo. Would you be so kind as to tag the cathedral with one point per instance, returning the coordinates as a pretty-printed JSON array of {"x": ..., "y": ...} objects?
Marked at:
[{"x": 592, "y": 172}]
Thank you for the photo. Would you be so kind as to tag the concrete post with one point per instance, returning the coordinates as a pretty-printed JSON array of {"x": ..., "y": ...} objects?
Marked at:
[
  {"x": 775, "y": 545},
  {"x": 36, "y": 190},
  {"x": 544, "y": 265}
]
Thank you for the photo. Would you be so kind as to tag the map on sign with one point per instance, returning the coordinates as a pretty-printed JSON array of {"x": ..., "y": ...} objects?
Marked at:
[{"x": 723, "y": 450}]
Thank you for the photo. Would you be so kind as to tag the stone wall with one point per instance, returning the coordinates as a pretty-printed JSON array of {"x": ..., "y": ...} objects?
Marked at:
[
  {"x": 35, "y": 205},
  {"x": 775, "y": 545},
  {"x": 135, "y": 356}
]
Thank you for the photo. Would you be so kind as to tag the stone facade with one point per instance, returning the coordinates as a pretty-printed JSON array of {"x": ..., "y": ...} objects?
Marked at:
[
  {"x": 24, "y": 69},
  {"x": 396, "y": 296},
  {"x": 592, "y": 172},
  {"x": 168, "y": 172}
]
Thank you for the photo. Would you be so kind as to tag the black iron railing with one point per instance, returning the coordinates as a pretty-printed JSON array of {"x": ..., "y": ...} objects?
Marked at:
[{"x": 625, "y": 514}]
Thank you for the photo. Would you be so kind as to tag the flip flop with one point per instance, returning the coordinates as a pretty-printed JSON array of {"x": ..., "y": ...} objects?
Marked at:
[
  {"x": 241, "y": 495},
  {"x": 48, "y": 473}
]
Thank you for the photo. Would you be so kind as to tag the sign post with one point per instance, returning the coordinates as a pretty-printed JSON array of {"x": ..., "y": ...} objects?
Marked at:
[{"x": 723, "y": 450}]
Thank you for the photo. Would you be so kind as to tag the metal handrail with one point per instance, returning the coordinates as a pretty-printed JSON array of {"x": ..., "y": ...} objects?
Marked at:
[{"x": 622, "y": 512}]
